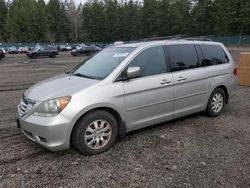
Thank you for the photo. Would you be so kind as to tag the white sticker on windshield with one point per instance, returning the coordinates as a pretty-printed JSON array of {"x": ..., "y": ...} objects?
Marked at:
[{"x": 120, "y": 55}]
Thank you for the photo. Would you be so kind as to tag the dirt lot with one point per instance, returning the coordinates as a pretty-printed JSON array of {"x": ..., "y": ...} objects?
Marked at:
[{"x": 194, "y": 151}]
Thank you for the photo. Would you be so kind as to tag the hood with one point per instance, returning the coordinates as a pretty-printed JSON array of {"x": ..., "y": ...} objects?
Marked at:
[{"x": 58, "y": 86}]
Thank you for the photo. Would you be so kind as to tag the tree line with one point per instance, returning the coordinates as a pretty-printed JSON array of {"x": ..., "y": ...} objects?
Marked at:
[{"x": 111, "y": 20}]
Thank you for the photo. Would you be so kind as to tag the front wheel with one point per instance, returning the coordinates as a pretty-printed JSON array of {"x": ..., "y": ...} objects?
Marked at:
[
  {"x": 95, "y": 132},
  {"x": 52, "y": 55},
  {"x": 216, "y": 103},
  {"x": 33, "y": 56}
]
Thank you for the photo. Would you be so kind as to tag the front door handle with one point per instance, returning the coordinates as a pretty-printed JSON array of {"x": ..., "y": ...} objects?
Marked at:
[{"x": 164, "y": 81}]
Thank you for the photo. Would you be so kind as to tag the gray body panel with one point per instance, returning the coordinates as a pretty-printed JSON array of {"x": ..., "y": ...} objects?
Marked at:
[{"x": 150, "y": 103}]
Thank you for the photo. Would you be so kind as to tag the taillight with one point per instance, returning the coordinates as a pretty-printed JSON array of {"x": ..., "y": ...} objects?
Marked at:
[{"x": 235, "y": 72}]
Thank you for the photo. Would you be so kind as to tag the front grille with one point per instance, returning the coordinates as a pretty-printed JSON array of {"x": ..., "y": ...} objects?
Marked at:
[{"x": 25, "y": 106}]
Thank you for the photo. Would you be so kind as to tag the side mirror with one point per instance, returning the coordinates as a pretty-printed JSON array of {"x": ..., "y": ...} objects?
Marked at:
[{"x": 133, "y": 72}]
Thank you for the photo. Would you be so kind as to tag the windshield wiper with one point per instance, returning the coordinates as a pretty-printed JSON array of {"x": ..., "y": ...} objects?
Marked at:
[{"x": 86, "y": 76}]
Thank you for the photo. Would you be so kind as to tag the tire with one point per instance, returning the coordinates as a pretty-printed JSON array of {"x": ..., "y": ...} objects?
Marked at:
[
  {"x": 33, "y": 56},
  {"x": 85, "y": 139},
  {"x": 216, "y": 103},
  {"x": 52, "y": 55}
]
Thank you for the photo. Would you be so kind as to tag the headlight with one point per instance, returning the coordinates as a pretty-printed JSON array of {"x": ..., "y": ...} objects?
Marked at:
[{"x": 52, "y": 107}]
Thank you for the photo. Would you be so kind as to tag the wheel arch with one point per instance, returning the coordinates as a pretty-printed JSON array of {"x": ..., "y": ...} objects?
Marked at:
[
  {"x": 224, "y": 88},
  {"x": 121, "y": 123}
]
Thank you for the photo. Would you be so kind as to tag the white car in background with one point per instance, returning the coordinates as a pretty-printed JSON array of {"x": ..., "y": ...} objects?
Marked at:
[{"x": 4, "y": 51}]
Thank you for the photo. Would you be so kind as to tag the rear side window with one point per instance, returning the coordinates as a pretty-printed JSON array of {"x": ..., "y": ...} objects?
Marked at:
[
  {"x": 213, "y": 55},
  {"x": 182, "y": 57}
]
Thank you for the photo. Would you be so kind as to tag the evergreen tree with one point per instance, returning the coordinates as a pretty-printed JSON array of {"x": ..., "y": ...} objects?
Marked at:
[
  {"x": 181, "y": 18},
  {"x": 40, "y": 21},
  {"x": 110, "y": 20},
  {"x": 93, "y": 24},
  {"x": 57, "y": 21},
  {"x": 151, "y": 18},
  {"x": 19, "y": 21},
  {"x": 130, "y": 27},
  {"x": 3, "y": 12},
  {"x": 204, "y": 17}
]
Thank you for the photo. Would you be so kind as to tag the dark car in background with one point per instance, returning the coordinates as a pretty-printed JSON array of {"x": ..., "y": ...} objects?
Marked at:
[
  {"x": 1, "y": 54},
  {"x": 85, "y": 50},
  {"x": 41, "y": 51}
]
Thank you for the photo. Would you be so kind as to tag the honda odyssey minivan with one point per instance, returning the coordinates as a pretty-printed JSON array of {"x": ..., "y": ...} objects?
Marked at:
[{"x": 124, "y": 88}]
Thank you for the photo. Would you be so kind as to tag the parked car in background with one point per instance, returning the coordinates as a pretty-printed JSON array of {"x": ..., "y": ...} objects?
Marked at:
[
  {"x": 124, "y": 88},
  {"x": 30, "y": 48},
  {"x": 3, "y": 50},
  {"x": 102, "y": 45},
  {"x": 85, "y": 50},
  {"x": 41, "y": 51},
  {"x": 2, "y": 55},
  {"x": 79, "y": 46},
  {"x": 118, "y": 43},
  {"x": 12, "y": 50},
  {"x": 23, "y": 50},
  {"x": 62, "y": 48},
  {"x": 68, "y": 47}
]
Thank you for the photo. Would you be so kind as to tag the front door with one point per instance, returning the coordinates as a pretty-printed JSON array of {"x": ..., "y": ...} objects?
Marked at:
[{"x": 149, "y": 98}]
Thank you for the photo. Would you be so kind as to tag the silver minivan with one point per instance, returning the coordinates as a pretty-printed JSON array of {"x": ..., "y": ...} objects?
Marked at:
[{"x": 124, "y": 88}]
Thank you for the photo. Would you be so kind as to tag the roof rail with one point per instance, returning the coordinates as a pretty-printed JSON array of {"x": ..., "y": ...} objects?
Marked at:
[
  {"x": 171, "y": 37},
  {"x": 199, "y": 38}
]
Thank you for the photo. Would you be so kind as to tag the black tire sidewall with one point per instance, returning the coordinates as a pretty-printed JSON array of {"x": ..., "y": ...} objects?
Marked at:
[
  {"x": 33, "y": 56},
  {"x": 81, "y": 126},
  {"x": 52, "y": 55},
  {"x": 209, "y": 110}
]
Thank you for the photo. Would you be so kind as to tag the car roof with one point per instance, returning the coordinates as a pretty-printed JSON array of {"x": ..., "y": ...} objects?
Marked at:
[{"x": 166, "y": 42}]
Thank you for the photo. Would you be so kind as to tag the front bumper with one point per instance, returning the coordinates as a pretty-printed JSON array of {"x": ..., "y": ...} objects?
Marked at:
[{"x": 52, "y": 133}]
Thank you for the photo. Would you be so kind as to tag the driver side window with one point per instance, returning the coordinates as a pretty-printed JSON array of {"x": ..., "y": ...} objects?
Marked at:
[{"x": 151, "y": 61}]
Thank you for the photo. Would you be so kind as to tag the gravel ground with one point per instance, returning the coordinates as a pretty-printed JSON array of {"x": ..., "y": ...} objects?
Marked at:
[{"x": 195, "y": 151}]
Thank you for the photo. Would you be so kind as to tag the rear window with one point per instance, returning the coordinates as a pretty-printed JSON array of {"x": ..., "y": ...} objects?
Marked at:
[
  {"x": 213, "y": 55},
  {"x": 182, "y": 56}
]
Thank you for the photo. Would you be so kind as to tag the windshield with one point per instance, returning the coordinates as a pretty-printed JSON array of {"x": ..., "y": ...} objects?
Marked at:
[{"x": 102, "y": 64}]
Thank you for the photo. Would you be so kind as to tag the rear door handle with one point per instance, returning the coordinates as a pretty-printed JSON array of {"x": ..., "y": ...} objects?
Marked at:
[{"x": 181, "y": 79}]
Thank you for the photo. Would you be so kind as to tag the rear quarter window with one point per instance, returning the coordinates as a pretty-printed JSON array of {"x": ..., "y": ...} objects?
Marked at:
[{"x": 213, "y": 55}]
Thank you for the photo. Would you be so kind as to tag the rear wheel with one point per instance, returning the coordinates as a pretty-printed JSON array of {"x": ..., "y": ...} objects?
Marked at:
[
  {"x": 95, "y": 132},
  {"x": 216, "y": 103}
]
